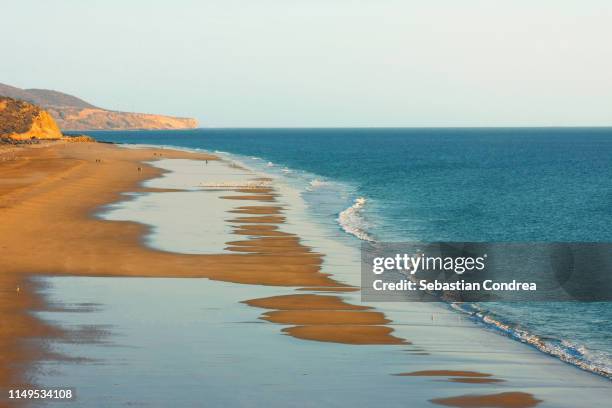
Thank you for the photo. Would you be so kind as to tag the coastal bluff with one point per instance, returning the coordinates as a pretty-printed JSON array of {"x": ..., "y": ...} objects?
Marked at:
[
  {"x": 20, "y": 120},
  {"x": 72, "y": 113}
]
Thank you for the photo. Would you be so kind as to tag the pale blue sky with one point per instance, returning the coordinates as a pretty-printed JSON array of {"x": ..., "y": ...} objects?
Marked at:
[{"x": 322, "y": 62}]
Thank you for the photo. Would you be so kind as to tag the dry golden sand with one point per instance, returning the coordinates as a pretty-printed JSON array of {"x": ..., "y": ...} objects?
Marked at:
[
  {"x": 476, "y": 380},
  {"x": 268, "y": 210},
  {"x": 302, "y": 317},
  {"x": 47, "y": 197},
  {"x": 501, "y": 400},
  {"x": 346, "y": 333},
  {"x": 270, "y": 219},
  {"x": 304, "y": 302}
]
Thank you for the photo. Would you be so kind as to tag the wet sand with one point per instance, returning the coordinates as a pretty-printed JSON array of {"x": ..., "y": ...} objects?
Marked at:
[
  {"x": 444, "y": 373},
  {"x": 465, "y": 377},
  {"x": 49, "y": 196}
]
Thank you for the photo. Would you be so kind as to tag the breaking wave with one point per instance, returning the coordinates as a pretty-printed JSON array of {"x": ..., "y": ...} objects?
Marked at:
[{"x": 353, "y": 222}]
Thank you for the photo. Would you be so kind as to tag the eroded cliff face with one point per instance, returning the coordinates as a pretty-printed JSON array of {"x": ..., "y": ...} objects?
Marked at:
[
  {"x": 72, "y": 118},
  {"x": 21, "y": 120},
  {"x": 73, "y": 113}
]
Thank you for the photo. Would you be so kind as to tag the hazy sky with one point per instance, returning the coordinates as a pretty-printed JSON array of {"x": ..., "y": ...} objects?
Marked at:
[{"x": 321, "y": 62}]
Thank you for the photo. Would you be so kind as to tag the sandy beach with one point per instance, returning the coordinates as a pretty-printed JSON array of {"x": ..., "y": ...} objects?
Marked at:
[
  {"x": 306, "y": 204},
  {"x": 50, "y": 197}
]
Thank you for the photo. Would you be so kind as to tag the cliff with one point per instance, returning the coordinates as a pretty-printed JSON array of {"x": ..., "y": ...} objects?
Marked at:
[
  {"x": 20, "y": 120},
  {"x": 71, "y": 118},
  {"x": 72, "y": 113}
]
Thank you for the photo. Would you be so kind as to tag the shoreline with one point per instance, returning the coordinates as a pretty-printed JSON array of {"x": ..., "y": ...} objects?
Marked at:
[
  {"x": 323, "y": 316},
  {"x": 544, "y": 343},
  {"x": 55, "y": 214}
]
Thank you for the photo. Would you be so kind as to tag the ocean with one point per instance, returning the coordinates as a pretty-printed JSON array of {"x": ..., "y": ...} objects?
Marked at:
[{"x": 486, "y": 185}]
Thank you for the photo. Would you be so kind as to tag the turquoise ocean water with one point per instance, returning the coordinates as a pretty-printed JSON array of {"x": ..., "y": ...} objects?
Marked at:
[{"x": 495, "y": 185}]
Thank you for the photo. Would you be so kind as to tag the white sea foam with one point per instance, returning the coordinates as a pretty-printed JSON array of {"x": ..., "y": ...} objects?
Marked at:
[
  {"x": 232, "y": 184},
  {"x": 352, "y": 221},
  {"x": 316, "y": 183},
  {"x": 564, "y": 350}
]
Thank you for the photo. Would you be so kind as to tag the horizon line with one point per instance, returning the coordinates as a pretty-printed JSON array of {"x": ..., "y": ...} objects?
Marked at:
[
  {"x": 350, "y": 127},
  {"x": 353, "y": 127}
]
